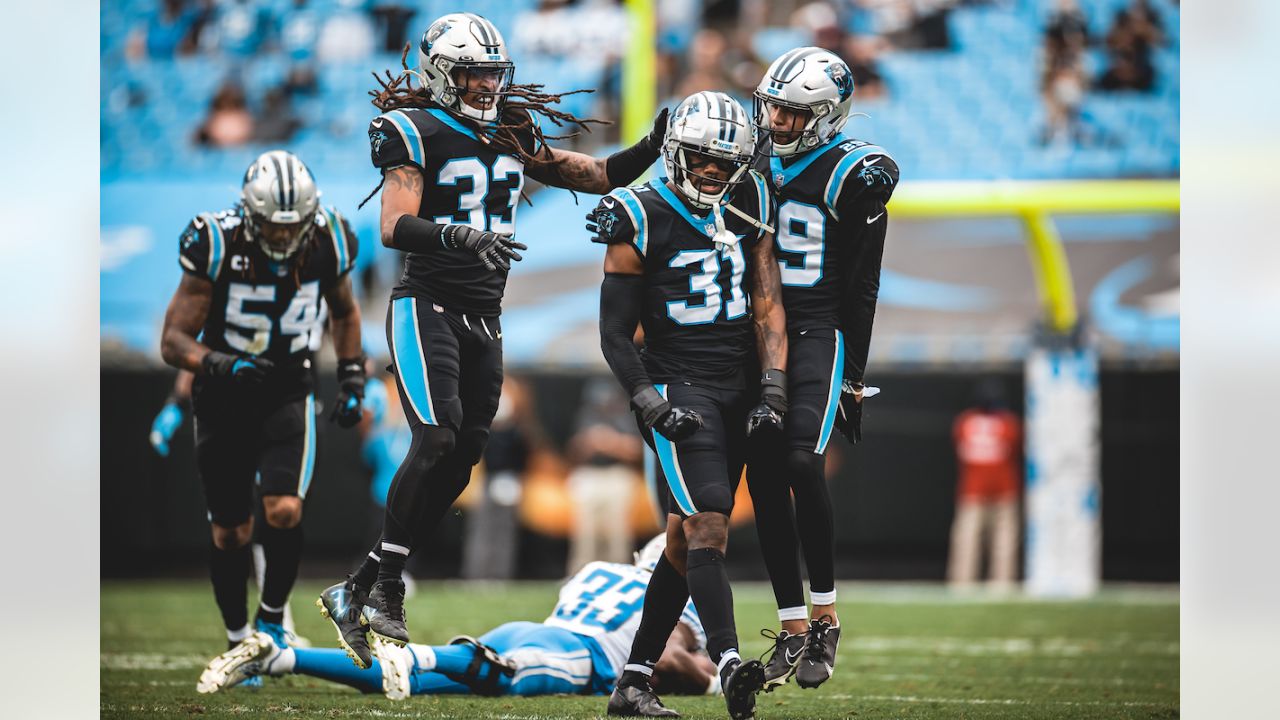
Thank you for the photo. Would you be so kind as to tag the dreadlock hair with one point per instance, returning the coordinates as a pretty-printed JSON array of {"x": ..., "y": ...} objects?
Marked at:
[{"x": 397, "y": 92}]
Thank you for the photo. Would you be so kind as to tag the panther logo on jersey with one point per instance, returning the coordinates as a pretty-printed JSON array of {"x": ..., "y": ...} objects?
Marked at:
[
  {"x": 876, "y": 175},
  {"x": 376, "y": 138},
  {"x": 840, "y": 75}
]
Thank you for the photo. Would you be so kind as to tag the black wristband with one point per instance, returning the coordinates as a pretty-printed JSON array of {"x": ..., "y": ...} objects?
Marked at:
[
  {"x": 773, "y": 389},
  {"x": 415, "y": 234},
  {"x": 626, "y": 166},
  {"x": 350, "y": 367},
  {"x": 650, "y": 404}
]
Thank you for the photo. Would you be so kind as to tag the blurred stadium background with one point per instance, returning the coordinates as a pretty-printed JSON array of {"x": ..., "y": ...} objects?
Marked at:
[{"x": 978, "y": 101}]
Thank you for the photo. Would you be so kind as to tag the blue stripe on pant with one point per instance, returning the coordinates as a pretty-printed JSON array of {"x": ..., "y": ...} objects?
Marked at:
[
  {"x": 670, "y": 460},
  {"x": 411, "y": 366},
  {"x": 548, "y": 660},
  {"x": 833, "y": 395}
]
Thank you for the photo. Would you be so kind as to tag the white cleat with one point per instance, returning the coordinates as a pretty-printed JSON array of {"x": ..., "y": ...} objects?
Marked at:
[
  {"x": 397, "y": 667},
  {"x": 237, "y": 664}
]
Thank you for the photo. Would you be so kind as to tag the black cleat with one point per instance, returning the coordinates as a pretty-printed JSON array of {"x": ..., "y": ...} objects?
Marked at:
[
  {"x": 819, "y": 658},
  {"x": 384, "y": 612},
  {"x": 786, "y": 654},
  {"x": 342, "y": 604},
  {"x": 638, "y": 701},
  {"x": 740, "y": 682},
  {"x": 482, "y": 682}
]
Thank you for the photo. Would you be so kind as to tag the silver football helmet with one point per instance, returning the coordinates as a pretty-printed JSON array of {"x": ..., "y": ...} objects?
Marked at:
[
  {"x": 811, "y": 80},
  {"x": 652, "y": 551},
  {"x": 459, "y": 46},
  {"x": 279, "y": 200},
  {"x": 712, "y": 127}
]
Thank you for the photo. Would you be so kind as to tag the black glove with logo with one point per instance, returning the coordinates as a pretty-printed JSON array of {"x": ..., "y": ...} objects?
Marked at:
[
  {"x": 773, "y": 402},
  {"x": 626, "y": 166},
  {"x": 675, "y": 424},
  {"x": 495, "y": 250},
  {"x": 245, "y": 370},
  {"x": 347, "y": 409}
]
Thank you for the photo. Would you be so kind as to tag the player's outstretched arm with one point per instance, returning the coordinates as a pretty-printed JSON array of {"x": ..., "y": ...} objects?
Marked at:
[
  {"x": 578, "y": 171},
  {"x": 771, "y": 337},
  {"x": 621, "y": 298},
  {"x": 171, "y": 416},
  {"x": 344, "y": 323},
  {"x": 683, "y": 669},
  {"x": 402, "y": 229}
]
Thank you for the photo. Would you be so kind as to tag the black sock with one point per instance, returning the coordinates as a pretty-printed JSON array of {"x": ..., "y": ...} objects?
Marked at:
[
  {"x": 282, "y": 548},
  {"x": 813, "y": 510},
  {"x": 664, "y": 600},
  {"x": 709, "y": 586},
  {"x": 767, "y": 479},
  {"x": 367, "y": 574},
  {"x": 229, "y": 571},
  {"x": 393, "y": 559}
]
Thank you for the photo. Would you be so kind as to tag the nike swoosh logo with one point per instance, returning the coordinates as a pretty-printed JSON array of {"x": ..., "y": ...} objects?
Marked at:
[
  {"x": 377, "y": 122},
  {"x": 866, "y": 162},
  {"x": 873, "y": 219},
  {"x": 607, "y": 202},
  {"x": 791, "y": 659},
  {"x": 197, "y": 223}
]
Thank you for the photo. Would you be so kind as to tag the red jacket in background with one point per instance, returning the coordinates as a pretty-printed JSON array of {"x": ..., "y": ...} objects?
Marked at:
[{"x": 988, "y": 448}]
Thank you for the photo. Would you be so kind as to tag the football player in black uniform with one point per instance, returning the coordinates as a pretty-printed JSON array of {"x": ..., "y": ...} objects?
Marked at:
[
  {"x": 831, "y": 192},
  {"x": 681, "y": 252},
  {"x": 242, "y": 319},
  {"x": 453, "y": 155}
]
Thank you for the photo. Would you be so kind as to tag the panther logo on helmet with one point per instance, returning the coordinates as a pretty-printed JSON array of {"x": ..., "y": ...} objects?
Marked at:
[{"x": 840, "y": 75}]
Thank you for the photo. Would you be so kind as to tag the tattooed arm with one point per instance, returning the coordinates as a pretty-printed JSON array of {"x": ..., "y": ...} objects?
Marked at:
[
  {"x": 573, "y": 170},
  {"x": 401, "y": 196},
  {"x": 766, "y": 306}
]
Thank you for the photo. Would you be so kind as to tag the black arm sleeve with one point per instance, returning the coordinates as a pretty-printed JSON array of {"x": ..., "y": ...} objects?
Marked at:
[
  {"x": 862, "y": 289},
  {"x": 621, "y": 297},
  {"x": 418, "y": 235}
]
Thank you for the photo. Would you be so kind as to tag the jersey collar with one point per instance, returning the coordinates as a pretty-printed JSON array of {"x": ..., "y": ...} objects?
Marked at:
[
  {"x": 453, "y": 122},
  {"x": 781, "y": 175},
  {"x": 704, "y": 225}
]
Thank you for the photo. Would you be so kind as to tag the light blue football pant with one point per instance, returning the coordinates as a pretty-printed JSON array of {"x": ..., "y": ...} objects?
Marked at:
[{"x": 548, "y": 661}]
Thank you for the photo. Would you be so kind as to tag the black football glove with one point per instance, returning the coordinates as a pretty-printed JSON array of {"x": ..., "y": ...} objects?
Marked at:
[
  {"x": 849, "y": 410},
  {"x": 773, "y": 402},
  {"x": 675, "y": 424},
  {"x": 653, "y": 141},
  {"x": 347, "y": 409},
  {"x": 245, "y": 370},
  {"x": 495, "y": 250}
]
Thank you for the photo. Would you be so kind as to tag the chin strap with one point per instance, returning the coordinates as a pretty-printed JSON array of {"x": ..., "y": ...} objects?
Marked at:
[
  {"x": 748, "y": 218},
  {"x": 724, "y": 240}
]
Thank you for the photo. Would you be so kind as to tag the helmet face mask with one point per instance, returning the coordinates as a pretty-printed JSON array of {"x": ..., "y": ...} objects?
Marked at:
[
  {"x": 708, "y": 148},
  {"x": 279, "y": 200},
  {"x": 808, "y": 81},
  {"x": 463, "y": 63}
]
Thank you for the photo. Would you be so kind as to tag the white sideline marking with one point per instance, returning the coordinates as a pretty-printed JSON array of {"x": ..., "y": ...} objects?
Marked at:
[
  {"x": 1045, "y": 647},
  {"x": 152, "y": 661}
]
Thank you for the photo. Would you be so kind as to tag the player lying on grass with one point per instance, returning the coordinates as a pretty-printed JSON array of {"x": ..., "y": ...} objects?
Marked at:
[{"x": 580, "y": 648}]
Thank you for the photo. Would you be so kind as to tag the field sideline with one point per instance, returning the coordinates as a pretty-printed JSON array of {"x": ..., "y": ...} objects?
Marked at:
[{"x": 909, "y": 652}]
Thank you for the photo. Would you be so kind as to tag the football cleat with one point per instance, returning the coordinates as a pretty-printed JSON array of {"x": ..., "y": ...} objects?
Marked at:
[
  {"x": 397, "y": 667},
  {"x": 342, "y": 604},
  {"x": 741, "y": 681},
  {"x": 819, "y": 658},
  {"x": 383, "y": 612},
  {"x": 786, "y": 654},
  {"x": 638, "y": 701},
  {"x": 235, "y": 666},
  {"x": 276, "y": 630}
]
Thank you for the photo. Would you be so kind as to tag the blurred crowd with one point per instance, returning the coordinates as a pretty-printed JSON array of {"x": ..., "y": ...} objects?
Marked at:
[{"x": 1134, "y": 32}]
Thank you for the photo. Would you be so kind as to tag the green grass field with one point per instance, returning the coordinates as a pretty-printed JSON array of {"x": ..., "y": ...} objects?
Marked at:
[{"x": 907, "y": 652}]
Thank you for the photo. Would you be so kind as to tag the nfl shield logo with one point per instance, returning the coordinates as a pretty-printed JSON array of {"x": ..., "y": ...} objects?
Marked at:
[
  {"x": 711, "y": 230},
  {"x": 777, "y": 179}
]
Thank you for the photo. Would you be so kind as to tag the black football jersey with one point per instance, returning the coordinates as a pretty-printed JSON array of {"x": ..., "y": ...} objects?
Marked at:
[
  {"x": 697, "y": 306},
  {"x": 466, "y": 181},
  {"x": 261, "y": 307},
  {"x": 816, "y": 247}
]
